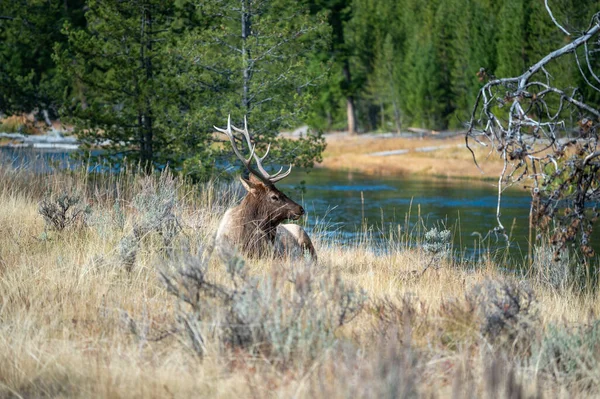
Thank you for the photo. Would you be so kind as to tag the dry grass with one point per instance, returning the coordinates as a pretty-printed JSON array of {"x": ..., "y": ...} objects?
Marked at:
[
  {"x": 64, "y": 297},
  {"x": 25, "y": 124},
  {"x": 454, "y": 160},
  {"x": 28, "y": 124}
]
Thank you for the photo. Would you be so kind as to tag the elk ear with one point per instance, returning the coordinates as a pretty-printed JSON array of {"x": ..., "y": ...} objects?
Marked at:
[{"x": 249, "y": 185}]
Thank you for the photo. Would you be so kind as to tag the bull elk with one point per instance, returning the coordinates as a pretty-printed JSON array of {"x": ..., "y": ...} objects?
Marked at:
[{"x": 254, "y": 227}]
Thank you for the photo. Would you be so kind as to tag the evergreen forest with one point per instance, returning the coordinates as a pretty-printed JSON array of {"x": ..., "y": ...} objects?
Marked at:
[{"x": 154, "y": 76}]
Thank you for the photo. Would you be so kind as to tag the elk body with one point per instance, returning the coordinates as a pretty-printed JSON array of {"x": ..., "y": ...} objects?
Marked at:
[{"x": 255, "y": 227}]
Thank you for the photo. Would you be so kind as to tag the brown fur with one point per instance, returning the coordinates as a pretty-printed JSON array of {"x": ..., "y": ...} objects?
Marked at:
[{"x": 252, "y": 226}]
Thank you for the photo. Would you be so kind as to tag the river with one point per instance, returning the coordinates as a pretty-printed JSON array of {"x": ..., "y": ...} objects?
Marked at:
[
  {"x": 340, "y": 205},
  {"x": 338, "y": 202}
]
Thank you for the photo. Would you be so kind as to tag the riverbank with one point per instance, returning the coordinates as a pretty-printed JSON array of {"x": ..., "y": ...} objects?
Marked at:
[
  {"x": 427, "y": 156},
  {"x": 98, "y": 310},
  {"x": 442, "y": 154}
]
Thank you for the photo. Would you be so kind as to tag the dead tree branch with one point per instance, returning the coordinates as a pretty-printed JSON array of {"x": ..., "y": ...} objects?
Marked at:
[
  {"x": 547, "y": 138},
  {"x": 554, "y": 19}
]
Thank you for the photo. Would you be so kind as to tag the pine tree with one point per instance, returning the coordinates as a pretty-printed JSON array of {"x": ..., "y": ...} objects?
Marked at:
[
  {"x": 543, "y": 38},
  {"x": 384, "y": 83},
  {"x": 131, "y": 100},
  {"x": 377, "y": 40},
  {"x": 472, "y": 48},
  {"x": 263, "y": 51},
  {"x": 511, "y": 39},
  {"x": 339, "y": 12},
  {"x": 422, "y": 83},
  {"x": 575, "y": 17},
  {"x": 443, "y": 35},
  {"x": 29, "y": 29}
]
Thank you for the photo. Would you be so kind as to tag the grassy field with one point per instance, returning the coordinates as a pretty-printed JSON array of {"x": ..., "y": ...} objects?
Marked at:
[
  {"x": 452, "y": 159},
  {"x": 126, "y": 301}
]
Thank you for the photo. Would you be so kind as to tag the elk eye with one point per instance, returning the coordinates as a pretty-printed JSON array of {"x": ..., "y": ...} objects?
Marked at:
[{"x": 274, "y": 197}]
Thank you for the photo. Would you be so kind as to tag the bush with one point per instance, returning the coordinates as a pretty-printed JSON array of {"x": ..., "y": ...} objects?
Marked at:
[
  {"x": 560, "y": 269},
  {"x": 288, "y": 316},
  {"x": 389, "y": 369},
  {"x": 63, "y": 211},
  {"x": 501, "y": 312},
  {"x": 155, "y": 207},
  {"x": 402, "y": 359},
  {"x": 506, "y": 311},
  {"x": 107, "y": 220},
  {"x": 571, "y": 355},
  {"x": 437, "y": 244},
  {"x": 550, "y": 270}
]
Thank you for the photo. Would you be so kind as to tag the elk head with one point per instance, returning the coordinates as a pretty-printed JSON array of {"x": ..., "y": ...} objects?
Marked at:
[
  {"x": 271, "y": 204},
  {"x": 264, "y": 205}
]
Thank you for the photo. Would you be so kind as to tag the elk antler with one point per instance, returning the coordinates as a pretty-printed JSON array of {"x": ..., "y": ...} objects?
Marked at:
[{"x": 262, "y": 174}]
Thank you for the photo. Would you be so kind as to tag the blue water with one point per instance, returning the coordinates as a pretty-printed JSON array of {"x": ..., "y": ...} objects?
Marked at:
[
  {"x": 340, "y": 204},
  {"x": 340, "y": 200}
]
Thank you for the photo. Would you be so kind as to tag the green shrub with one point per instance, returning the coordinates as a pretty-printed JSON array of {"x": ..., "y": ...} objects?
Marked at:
[
  {"x": 571, "y": 355},
  {"x": 438, "y": 242},
  {"x": 288, "y": 316}
]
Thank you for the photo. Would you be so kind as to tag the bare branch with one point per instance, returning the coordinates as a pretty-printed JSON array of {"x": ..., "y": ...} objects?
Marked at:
[
  {"x": 593, "y": 155},
  {"x": 583, "y": 74},
  {"x": 549, "y": 136},
  {"x": 554, "y": 19},
  {"x": 587, "y": 60},
  {"x": 558, "y": 53}
]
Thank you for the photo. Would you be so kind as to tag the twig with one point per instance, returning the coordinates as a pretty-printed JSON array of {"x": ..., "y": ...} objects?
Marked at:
[{"x": 554, "y": 19}]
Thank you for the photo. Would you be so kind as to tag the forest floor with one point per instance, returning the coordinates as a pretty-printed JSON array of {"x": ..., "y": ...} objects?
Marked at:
[
  {"x": 427, "y": 156},
  {"x": 120, "y": 303}
]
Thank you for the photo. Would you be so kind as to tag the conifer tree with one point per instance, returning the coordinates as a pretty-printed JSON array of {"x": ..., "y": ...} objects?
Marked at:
[
  {"x": 422, "y": 80},
  {"x": 377, "y": 39},
  {"x": 337, "y": 63},
  {"x": 29, "y": 31},
  {"x": 339, "y": 12},
  {"x": 263, "y": 51},
  {"x": 384, "y": 83},
  {"x": 443, "y": 35},
  {"x": 511, "y": 38},
  {"x": 132, "y": 98},
  {"x": 422, "y": 86},
  {"x": 472, "y": 49}
]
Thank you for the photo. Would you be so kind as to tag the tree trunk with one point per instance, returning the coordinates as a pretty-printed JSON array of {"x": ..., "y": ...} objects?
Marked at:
[
  {"x": 351, "y": 115},
  {"x": 340, "y": 52},
  {"x": 147, "y": 148},
  {"x": 46, "y": 117},
  {"x": 246, "y": 32},
  {"x": 349, "y": 99},
  {"x": 397, "y": 119}
]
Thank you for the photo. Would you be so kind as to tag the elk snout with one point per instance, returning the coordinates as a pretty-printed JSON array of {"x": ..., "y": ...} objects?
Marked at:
[{"x": 298, "y": 213}]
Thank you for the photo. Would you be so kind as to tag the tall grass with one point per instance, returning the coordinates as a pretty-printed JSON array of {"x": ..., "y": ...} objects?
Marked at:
[{"x": 80, "y": 319}]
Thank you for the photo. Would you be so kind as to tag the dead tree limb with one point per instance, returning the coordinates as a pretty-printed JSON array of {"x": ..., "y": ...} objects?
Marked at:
[
  {"x": 547, "y": 138},
  {"x": 554, "y": 19}
]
